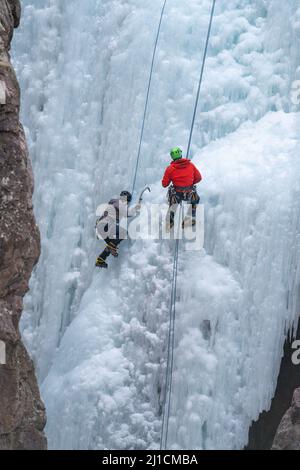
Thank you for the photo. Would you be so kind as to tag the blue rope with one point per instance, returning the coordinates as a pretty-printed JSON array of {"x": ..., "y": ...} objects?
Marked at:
[
  {"x": 171, "y": 341},
  {"x": 147, "y": 96},
  {"x": 201, "y": 77}
]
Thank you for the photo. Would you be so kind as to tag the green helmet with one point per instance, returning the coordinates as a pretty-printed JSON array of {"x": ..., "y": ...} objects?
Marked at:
[{"x": 176, "y": 153}]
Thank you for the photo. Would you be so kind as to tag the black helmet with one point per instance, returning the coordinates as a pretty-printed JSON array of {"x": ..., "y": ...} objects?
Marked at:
[{"x": 126, "y": 194}]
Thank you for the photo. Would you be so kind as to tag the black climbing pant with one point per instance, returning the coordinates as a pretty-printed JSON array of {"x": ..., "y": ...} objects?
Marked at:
[
  {"x": 176, "y": 197},
  {"x": 111, "y": 244}
]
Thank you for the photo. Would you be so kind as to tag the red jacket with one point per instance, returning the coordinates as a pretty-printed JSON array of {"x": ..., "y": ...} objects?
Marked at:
[{"x": 181, "y": 173}]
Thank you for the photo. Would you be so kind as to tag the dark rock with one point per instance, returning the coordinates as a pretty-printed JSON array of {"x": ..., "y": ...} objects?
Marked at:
[
  {"x": 22, "y": 413},
  {"x": 263, "y": 431},
  {"x": 288, "y": 434}
]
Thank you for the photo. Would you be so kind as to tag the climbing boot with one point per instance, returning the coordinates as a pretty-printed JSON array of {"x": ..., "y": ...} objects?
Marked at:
[{"x": 100, "y": 263}]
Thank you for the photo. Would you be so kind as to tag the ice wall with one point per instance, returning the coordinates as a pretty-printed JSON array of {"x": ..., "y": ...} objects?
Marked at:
[{"x": 99, "y": 339}]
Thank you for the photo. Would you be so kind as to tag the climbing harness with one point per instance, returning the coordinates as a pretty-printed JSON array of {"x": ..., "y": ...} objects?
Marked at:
[
  {"x": 172, "y": 311},
  {"x": 176, "y": 195}
]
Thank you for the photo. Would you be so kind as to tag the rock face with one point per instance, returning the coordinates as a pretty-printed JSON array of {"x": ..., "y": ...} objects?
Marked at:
[
  {"x": 262, "y": 432},
  {"x": 288, "y": 434},
  {"x": 22, "y": 414}
]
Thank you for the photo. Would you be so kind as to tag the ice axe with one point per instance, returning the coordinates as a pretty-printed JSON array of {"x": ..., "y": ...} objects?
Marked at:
[{"x": 142, "y": 194}]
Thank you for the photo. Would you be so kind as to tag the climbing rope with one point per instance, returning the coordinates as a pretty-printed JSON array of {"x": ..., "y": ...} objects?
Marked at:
[
  {"x": 147, "y": 96},
  {"x": 201, "y": 76},
  {"x": 172, "y": 312},
  {"x": 171, "y": 341}
]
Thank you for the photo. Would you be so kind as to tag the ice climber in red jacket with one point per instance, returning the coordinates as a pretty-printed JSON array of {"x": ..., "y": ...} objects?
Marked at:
[{"x": 184, "y": 176}]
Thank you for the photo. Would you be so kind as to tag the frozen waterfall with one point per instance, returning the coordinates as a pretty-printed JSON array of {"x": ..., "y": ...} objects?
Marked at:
[{"x": 99, "y": 339}]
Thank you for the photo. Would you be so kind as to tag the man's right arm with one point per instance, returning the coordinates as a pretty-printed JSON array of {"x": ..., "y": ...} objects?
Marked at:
[
  {"x": 134, "y": 210},
  {"x": 166, "y": 179}
]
